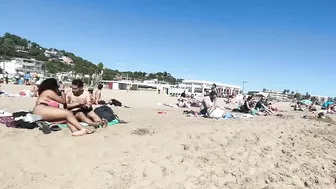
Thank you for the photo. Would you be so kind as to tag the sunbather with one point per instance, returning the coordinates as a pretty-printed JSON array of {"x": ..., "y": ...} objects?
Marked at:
[
  {"x": 208, "y": 102},
  {"x": 96, "y": 94},
  {"x": 249, "y": 107},
  {"x": 80, "y": 103},
  {"x": 262, "y": 106},
  {"x": 47, "y": 91}
]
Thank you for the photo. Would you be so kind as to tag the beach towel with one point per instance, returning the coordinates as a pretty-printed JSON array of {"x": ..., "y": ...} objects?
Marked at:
[
  {"x": 216, "y": 112},
  {"x": 64, "y": 125}
]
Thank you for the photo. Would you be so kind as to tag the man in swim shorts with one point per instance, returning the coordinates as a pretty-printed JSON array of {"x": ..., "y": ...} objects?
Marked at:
[{"x": 80, "y": 103}]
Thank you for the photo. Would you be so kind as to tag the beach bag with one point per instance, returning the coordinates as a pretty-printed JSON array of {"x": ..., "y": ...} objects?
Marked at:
[
  {"x": 216, "y": 112},
  {"x": 115, "y": 102},
  {"x": 105, "y": 112},
  {"x": 23, "y": 124}
]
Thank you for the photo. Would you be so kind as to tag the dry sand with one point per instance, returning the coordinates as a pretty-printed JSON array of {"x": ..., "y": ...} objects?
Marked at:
[{"x": 169, "y": 151}]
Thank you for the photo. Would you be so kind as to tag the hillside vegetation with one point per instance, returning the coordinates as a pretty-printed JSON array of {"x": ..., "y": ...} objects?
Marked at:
[{"x": 15, "y": 46}]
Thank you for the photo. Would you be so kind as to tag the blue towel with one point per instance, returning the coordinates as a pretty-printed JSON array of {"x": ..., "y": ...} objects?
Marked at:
[{"x": 228, "y": 116}]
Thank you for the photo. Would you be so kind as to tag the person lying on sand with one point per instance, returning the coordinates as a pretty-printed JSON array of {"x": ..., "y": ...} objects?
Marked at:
[
  {"x": 80, "y": 103},
  {"x": 48, "y": 92}
]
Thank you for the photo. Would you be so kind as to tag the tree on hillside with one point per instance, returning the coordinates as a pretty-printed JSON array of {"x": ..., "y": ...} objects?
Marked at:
[
  {"x": 313, "y": 99},
  {"x": 297, "y": 96},
  {"x": 100, "y": 67},
  {"x": 292, "y": 93},
  {"x": 264, "y": 90},
  {"x": 8, "y": 43},
  {"x": 307, "y": 96}
]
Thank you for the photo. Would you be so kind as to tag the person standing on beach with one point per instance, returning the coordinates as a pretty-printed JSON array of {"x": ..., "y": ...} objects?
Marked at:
[
  {"x": 17, "y": 77},
  {"x": 26, "y": 78},
  {"x": 6, "y": 77}
]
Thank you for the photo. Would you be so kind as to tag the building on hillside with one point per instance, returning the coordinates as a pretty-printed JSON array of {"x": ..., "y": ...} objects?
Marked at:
[
  {"x": 52, "y": 54},
  {"x": 197, "y": 87},
  {"x": 66, "y": 60},
  {"x": 22, "y": 65},
  {"x": 19, "y": 48}
]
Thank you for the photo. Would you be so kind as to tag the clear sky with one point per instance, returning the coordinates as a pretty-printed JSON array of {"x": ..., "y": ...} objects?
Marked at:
[{"x": 273, "y": 44}]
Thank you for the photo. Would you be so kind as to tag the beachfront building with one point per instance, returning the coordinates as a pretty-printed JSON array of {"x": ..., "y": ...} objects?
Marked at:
[
  {"x": 128, "y": 85},
  {"x": 198, "y": 87},
  {"x": 21, "y": 65}
]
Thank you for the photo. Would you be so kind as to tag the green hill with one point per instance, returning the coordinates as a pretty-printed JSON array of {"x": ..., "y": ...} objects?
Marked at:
[{"x": 15, "y": 46}]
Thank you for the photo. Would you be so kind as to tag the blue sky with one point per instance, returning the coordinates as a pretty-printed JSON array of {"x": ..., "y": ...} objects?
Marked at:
[{"x": 274, "y": 44}]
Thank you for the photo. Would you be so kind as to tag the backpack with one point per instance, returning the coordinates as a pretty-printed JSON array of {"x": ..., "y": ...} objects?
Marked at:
[
  {"x": 115, "y": 102},
  {"x": 105, "y": 112}
]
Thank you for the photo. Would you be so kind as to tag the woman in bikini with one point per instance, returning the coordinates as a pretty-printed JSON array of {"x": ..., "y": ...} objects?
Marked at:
[{"x": 48, "y": 92}]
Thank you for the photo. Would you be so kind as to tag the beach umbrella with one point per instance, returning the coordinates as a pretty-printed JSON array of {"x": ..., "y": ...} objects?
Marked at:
[{"x": 306, "y": 102}]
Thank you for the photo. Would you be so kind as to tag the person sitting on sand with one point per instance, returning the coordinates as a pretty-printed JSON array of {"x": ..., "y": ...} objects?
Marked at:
[
  {"x": 262, "y": 106},
  {"x": 97, "y": 94},
  {"x": 47, "y": 91},
  {"x": 299, "y": 106},
  {"x": 194, "y": 102},
  {"x": 91, "y": 95},
  {"x": 80, "y": 103},
  {"x": 208, "y": 102},
  {"x": 34, "y": 90},
  {"x": 61, "y": 87},
  {"x": 249, "y": 107}
]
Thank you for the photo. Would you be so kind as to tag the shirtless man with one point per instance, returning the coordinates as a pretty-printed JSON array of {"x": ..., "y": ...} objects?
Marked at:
[
  {"x": 79, "y": 102},
  {"x": 97, "y": 94}
]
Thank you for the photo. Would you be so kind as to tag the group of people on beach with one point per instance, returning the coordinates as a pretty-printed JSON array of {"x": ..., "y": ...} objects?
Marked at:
[
  {"x": 26, "y": 78},
  {"x": 249, "y": 105},
  {"x": 77, "y": 105}
]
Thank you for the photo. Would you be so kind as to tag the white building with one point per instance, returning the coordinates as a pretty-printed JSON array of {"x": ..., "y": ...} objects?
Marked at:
[
  {"x": 52, "y": 53},
  {"x": 22, "y": 65},
  {"x": 197, "y": 87},
  {"x": 66, "y": 60}
]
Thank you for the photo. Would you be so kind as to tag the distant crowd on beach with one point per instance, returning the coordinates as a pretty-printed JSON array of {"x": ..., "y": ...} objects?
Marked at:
[
  {"x": 255, "y": 105},
  {"x": 26, "y": 78}
]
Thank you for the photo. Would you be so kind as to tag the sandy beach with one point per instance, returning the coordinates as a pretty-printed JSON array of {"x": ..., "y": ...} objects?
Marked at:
[{"x": 169, "y": 151}]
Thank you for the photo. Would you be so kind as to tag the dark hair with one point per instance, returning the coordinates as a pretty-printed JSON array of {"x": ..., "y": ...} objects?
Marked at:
[
  {"x": 183, "y": 94},
  {"x": 48, "y": 84},
  {"x": 100, "y": 86},
  {"x": 212, "y": 93},
  {"x": 249, "y": 97},
  {"x": 214, "y": 85},
  {"x": 78, "y": 83}
]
